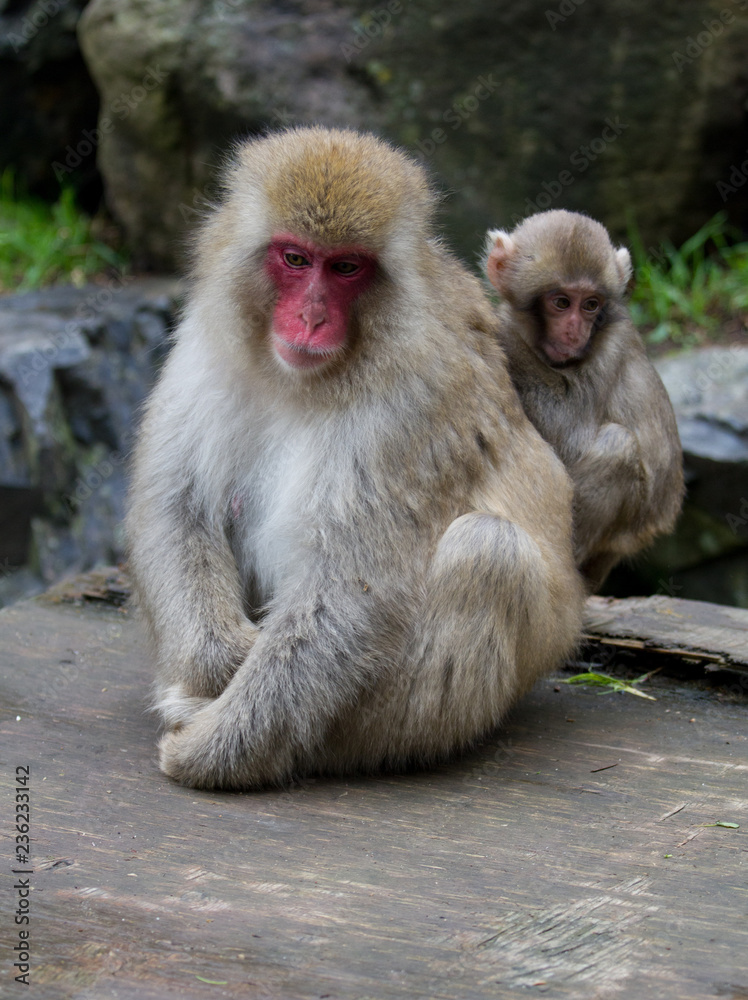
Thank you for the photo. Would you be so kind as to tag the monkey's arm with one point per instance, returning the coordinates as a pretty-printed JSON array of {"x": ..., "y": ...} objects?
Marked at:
[
  {"x": 185, "y": 575},
  {"x": 188, "y": 586},
  {"x": 646, "y": 408}
]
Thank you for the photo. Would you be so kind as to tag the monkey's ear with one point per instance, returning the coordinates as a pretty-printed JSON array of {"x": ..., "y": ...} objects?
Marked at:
[
  {"x": 625, "y": 268},
  {"x": 500, "y": 246}
]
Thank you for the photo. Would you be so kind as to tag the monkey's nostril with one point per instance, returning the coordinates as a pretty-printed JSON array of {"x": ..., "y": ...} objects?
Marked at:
[{"x": 313, "y": 314}]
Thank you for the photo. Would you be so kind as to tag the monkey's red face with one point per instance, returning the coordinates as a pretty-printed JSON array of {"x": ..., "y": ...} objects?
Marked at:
[
  {"x": 569, "y": 315},
  {"x": 316, "y": 289}
]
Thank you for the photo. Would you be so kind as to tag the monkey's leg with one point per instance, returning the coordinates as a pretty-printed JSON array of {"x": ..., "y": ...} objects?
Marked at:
[
  {"x": 328, "y": 684},
  {"x": 498, "y": 614},
  {"x": 318, "y": 650}
]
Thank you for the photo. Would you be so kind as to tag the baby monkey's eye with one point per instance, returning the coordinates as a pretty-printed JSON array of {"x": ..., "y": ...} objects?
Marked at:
[
  {"x": 561, "y": 302},
  {"x": 345, "y": 267},
  {"x": 591, "y": 305},
  {"x": 295, "y": 259}
]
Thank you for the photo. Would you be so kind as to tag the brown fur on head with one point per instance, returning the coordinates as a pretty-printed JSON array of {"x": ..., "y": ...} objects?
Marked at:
[
  {"x": 334, "y": 186},
  {"x": 551, "y": 250}
]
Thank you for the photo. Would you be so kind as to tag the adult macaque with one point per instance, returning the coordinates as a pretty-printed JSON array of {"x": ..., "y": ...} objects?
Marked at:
[
  {"x": 352, "y": 548},
  {"x": 586, "y": 383}
]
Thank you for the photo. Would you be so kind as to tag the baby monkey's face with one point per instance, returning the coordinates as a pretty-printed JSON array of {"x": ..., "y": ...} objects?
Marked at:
[{"x": 569, "y": 316}]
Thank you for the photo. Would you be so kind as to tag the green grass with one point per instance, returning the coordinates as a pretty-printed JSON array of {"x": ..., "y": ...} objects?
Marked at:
[
  {"x": 609, "y": 684},
  {"x": 685, "y": 295},
  {"x": 42, "y": 244}
]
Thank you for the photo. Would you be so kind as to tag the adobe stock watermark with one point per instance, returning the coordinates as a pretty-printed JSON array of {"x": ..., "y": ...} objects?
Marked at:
[
  {"x": 669, "y": 587},
  {"x": 222, "y": 8},
  {"x": 282, "y": 117},
  {"x": 739, "y": 520},
  {"x": 695, "y": 45},
  {"x": 93, "y": 479},
  {"x": 369, "y": 27},
  {"x": 722, "y": 366},
  {"x": 459, "y": 112},
  {"x": 579, "y": 161},
  {"x": 502, "y": 752},
  {"x": 122, "y": 106},
  {"x": 37, "y": 18},
  {"x": 564, "y": 11},
  {"x": 203, "y": 200},
  {"x": 737, "y": 179},
  {"x": 661, "y": 255}
]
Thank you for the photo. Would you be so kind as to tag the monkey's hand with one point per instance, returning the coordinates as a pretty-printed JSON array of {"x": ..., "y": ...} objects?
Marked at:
[
  {"x": 615, "y": 446},
  {"x": 198, "y": 670},
  {"x": 612, "y": 464}
]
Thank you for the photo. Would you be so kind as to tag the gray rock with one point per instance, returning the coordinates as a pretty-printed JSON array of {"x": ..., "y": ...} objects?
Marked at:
[
  {"x": 706, "y": 558},
  {"x": 605, "y": 108},
  {"x": 710, "y": 384},
  {"x": 709, "y": 390},
  {"x": 48, "y": 101},
  {"x": 75, "y": 366},
  {"x": 703, "y": 437},
  {"x": 32, "y": 347}
]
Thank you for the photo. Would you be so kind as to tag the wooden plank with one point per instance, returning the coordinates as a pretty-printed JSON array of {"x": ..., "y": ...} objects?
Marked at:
[
  {"x": 570, "y": 855},
  {"x": 692, "y": 629}
]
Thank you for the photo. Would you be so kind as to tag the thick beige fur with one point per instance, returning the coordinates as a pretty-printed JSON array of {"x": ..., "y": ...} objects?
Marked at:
[{"x": 349, "y": 568}]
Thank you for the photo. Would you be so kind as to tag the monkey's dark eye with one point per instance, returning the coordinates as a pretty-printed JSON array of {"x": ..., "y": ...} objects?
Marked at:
[
  {"x": 591, "y": 305},
  {"x": 345, "y": 267},
  {"x": 295, "y": 259},
  {"x": 561, "y": 302}
]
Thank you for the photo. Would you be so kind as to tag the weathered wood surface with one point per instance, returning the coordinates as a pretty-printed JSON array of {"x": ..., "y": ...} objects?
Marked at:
[
  {"x": 570, "y": 856},
  {"x": 694, "y": 629}
]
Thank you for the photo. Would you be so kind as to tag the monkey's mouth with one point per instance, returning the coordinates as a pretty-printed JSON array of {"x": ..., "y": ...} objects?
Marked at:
[
  {"x": 559, "y": 356},
  {"x": 296, "y": 356}
]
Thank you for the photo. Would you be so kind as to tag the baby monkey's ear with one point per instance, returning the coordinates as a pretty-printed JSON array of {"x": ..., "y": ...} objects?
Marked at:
[
  {"x": 625, "y": 267},
  {"x": 500, "y": 250}
]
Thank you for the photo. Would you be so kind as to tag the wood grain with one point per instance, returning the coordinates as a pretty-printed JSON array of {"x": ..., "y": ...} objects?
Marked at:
[{"x": 519, "y": 870}]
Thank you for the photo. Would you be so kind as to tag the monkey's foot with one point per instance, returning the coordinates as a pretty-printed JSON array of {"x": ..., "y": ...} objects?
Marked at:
[
  {"x": 190, "y": 759},
  {"x": 191, "y": 755},
  {"x": 217, "y": 748},
  {"x": 174, "y": 758}
]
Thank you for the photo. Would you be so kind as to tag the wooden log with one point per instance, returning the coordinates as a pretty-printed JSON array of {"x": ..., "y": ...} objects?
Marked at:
[{"x": 695, "y": 630}]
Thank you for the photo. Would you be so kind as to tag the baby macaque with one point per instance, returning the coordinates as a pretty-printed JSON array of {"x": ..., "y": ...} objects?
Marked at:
[{"x": 585, "y": 382}]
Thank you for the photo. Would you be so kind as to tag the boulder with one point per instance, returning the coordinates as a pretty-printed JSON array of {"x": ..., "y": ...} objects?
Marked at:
[
  {"x": 709, "y": 390},
  {"x": 707, "y": 556},
  {"x": 625, "y": 110},
  {"x": 180, "y": 81},
  {"x": 75, "y": 366},
  {"x": 48, "y": 102}
]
